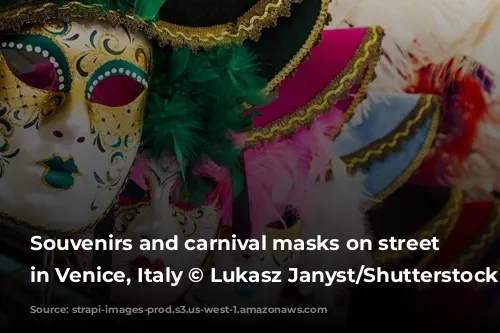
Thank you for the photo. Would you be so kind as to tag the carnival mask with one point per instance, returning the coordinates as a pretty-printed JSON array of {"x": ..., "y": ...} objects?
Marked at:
[
  {"x": 164, "y": 214},
  {"x": 250, "y": 294},
  {"x": 72, "y": 102}
]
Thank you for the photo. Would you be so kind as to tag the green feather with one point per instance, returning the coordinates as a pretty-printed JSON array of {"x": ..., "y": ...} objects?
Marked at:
[
  {"x": 179, "y": 62},
  {"x": 196, "y": 99},
  {"x": 148, "y": 9}
]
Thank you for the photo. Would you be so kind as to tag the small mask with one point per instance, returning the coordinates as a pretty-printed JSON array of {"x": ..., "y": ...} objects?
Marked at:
[
  {"x": 164, "y": 213},
  {"x": 250, "y": 294},
  {"x": 72, "y": 100}
]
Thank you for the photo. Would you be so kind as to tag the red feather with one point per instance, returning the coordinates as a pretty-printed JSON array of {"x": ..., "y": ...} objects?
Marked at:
[{"x": 464, "y": 105}]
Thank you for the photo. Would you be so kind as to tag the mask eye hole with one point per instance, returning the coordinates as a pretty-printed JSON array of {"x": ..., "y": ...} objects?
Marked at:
[
  {"x": 37, "y": 62},
  {"x": 115, "y": 84},
  {"x": 132, "y": 194},
  {"x": 180, "y": 197},
  {"x": 34, "y": 69},
  {"x": 290, "y": 218}
]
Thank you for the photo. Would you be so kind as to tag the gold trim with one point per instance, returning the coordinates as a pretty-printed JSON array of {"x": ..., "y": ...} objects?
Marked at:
[
  {"x": 475, "y": 251},
  {"x": 440, "y": 226},
  {"x": 313, "y": 38},
  {"x": 360, "y": 68},
  {"x": 410, "y": 170},
  {"x": 263, "y": 14},
  {"x": 473, "y": 254},
  {"x": 393, "y": 142}
]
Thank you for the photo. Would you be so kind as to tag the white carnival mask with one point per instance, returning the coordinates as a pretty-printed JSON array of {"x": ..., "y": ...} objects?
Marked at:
[
  {"x": 249, "y": 294},
  {"x": 72, "y": 100},
  {"x": 163, "y": 215}
]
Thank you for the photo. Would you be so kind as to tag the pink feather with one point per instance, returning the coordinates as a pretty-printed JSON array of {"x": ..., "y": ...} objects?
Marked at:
[
  {"x": 282, "y": 173},
  {"x": 279, "y": 174}
]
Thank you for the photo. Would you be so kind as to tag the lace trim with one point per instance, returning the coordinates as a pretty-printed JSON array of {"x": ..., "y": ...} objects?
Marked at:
[
  {"x": 440, "y": 227},
  {"x": 415, "y": 164},
  {"x": 472, "y": 255},
  {"x": 262, "y": 15},
  {"x": 394, "y": 141}
]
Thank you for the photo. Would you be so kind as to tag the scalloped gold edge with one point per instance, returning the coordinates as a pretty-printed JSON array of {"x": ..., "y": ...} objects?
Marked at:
[
  {"x": 440, "y": 225},
  {"x": 415, "y": 164},
  {"x": 474, "y": 252},
  {"x": 361, "y": 66},
  {"x": 312, "y": 39},
  {"x": 379, "y": 149},
  {"x": 496, "y": 267},
  {"x": 262, "y": 15}
]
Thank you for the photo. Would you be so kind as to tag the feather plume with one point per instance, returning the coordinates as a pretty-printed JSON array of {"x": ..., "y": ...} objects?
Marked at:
[
  {"x": 418, "y": 35},
  {"x": 338, "y": 216},
  {"x": 444, "y": 47},
  {"x": 280, "y": 174},
  {"x": 195, "y": 103},
  {"x": 480, "y": 173},
  {"x": 283, "y": 172},
  {"x": 148, "y": 9}
]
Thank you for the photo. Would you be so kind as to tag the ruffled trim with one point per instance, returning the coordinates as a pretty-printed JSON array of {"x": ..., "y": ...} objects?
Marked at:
[
  {"x": 394, "y": 141},
  {"x": 425, "y": 148},
  {"x": 475, "y": 251},
  {"x": 264, "y": 14},
  {"x": 439, "y": 227},
  {"x": 359, "y": 70}
]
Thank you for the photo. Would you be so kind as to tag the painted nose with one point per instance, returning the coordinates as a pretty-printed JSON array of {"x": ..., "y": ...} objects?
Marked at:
[{"x": 157, "y": 224}]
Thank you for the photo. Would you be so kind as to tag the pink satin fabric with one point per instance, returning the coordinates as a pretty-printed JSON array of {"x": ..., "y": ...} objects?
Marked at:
[{"x": 325, "y": 63}]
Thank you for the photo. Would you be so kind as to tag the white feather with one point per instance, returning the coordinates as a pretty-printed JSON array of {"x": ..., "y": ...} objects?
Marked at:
[
  {"x": 444, "y": 29},
  {"x": 339, "y": 217}
]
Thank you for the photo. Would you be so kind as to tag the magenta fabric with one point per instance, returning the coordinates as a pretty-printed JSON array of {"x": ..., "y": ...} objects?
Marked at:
[{"x": 325, "y": 63}]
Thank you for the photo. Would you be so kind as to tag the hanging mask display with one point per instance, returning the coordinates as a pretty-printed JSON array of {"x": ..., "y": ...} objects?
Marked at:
[
  {"x": 161, "y": 213},
  {"x": 295, "y": 179},
  {"x": 72, "y": 102},
  {"x": 255, "y": 291},
  {"x": 206, "y": 88}
]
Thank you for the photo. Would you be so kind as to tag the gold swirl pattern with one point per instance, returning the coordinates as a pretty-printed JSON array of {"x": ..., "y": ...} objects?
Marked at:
[
  {"x": 473, "y": 254},
  {"x": 264, "y": 14},
  {"x": 359, "y": 70},
  {"x": 392, "y": 142},
  {"x": 440, "y": 227}
]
